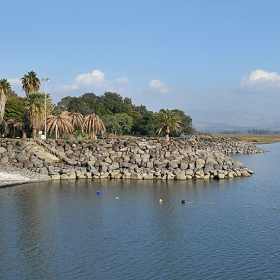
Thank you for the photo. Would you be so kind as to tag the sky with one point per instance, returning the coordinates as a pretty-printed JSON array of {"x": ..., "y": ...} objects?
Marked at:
[{"x": 218, "y": 55}]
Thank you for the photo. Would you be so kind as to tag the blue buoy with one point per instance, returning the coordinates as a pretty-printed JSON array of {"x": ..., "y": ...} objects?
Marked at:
[{"x": 98, "y": 192}]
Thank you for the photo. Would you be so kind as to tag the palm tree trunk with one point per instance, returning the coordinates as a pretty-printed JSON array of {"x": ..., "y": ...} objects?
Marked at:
[
  {"x": 3, "y": 128},
  {"x": 167, "y": 134},
  {"x": 26, "y": 124},
  {"x": 3, "y": 99},
  {"x": 34, "y": 132},
  {"x": 23, "y": 135},
  {"x": 167, "y": 137}
]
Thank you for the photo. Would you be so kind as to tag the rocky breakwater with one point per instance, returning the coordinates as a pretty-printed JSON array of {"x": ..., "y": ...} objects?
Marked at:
[
  {"x": 226, "y": 145},
  {"x": 130, "y": 158}
]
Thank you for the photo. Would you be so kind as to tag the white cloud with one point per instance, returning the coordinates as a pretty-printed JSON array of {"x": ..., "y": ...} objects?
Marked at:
[
  {"x": 96, "y": 77},
  {"x": 69, "y": 87},
  {"x": 15, "y": 82},
  {"x": 122, "y": 81},
  {"x": 260, "y": 80},
  {"x": 94, "y": 81},
  {"x": 159, "y": 86},
  {"x": 16, "y": 86}
]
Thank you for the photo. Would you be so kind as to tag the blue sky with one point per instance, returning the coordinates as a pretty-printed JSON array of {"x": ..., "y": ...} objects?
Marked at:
[{"x": 184, "y": 54}]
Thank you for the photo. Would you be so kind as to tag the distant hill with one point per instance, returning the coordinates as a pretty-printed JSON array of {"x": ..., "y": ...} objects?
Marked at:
[{"x": 218, "y": 121}]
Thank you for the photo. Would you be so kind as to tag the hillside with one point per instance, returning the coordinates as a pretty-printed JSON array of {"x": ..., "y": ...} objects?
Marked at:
[{"x": 217, "y": 121}]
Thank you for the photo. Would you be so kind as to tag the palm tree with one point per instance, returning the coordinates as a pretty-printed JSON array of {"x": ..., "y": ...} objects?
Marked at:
[
  {"x": 61, "y": 123},
  {"x": 14, "y": 127},
  {"x": 76, "y": 119},
  {"x": 5, "y": 92},
  {"x": 167, "y": 120},
  {"x": 30, "y": 83},
  {"x": 93, "y": 125},
  {"x": 35, "y": 107}
]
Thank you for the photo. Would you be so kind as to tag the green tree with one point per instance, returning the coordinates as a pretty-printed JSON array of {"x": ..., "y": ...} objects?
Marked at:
[
  {"x": 144, "y": 126},
  {"x": 112, "y": 96},
  {"x": 111, "y": 123},
  {"x": 95, "y": 106},
  {"x": 113, "y": 102},
  {"x": 14, "y": 108},
  {"x": 166, "y": 120},
  {"x": 78, "y": 105},
  {"x": 128, "y": 102},
  {"x": 5, "y": 92},
  {"x": 125, "y": 123},
  {"x": 30, "y": 83},
  {"x": 63, "y": 104},
  {"x": 141, "y": 109},
  {"x": 113, "y": 106},
  {"x": 91, "y": 96},
  {"x": 99, "y": 109},
  {"x": 35, "y": 107},
  {"x": 186, "y": 123}
]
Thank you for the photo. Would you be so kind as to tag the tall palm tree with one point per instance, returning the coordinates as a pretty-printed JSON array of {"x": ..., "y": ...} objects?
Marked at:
[
  {"x": 30, "y": 83},
  {"x": 93, "y": 125},
  {"x": 35, "y": 107},
  {"x": 76, "y": 119},
  {"x": 5, "y": 92},
  {"x": 167, "y": 120},
  {"x": 61, "y": 123}
]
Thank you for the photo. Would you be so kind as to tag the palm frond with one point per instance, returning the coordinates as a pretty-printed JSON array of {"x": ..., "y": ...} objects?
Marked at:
[
  {"x": 76, "y": 119},
  {"x": 62, "y": 123},
  {"x": 92, "y": 125}
]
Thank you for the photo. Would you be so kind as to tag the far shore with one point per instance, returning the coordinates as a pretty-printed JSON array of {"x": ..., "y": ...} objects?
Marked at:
[{"x": 253, "y": 138}]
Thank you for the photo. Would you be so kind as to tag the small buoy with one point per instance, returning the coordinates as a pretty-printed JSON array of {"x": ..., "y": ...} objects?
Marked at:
[
  {"x": 160, "y": 200},
  {"x": 116, "y": 197},
  {"x": 98, "y": 192},
  {"x": 183, "y": 201}
]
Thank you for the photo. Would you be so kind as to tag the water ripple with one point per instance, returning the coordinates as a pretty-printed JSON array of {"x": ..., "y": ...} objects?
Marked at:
[{"x": 62, "y": 230}]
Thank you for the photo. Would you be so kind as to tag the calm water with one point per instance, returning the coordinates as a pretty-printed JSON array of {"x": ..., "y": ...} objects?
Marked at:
[{"x": 228, "y": 229}]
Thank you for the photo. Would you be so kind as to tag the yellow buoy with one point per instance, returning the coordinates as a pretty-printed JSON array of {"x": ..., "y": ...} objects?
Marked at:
[
  {"x": 117, "y": 197},
  {"x": 160, "y": 200}
]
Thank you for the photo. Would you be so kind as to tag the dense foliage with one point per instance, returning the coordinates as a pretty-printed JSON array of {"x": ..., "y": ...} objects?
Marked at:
[
  {"x": 119, "y": 114},
  {"x": 14, "y": 108}
]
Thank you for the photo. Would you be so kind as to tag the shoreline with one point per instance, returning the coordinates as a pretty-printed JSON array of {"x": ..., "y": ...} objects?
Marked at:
[
  {"x": 13, "y": 176},
  {"x": 133, "y": 158}
]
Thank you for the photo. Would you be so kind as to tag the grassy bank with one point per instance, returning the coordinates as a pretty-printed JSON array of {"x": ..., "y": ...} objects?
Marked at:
[{"x": 256, "y": 138}]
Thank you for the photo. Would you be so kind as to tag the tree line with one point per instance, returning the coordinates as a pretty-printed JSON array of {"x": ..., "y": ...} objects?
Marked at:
[
  {"x": 262, "y": 131},
  {"x": 87, "y": 115}
]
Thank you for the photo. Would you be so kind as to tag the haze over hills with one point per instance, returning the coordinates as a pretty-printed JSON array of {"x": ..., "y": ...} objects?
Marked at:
[{"x": 219, "y": 121}]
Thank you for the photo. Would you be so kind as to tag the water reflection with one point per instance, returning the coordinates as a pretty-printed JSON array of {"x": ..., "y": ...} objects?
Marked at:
[{"x": 65, "y": 230}]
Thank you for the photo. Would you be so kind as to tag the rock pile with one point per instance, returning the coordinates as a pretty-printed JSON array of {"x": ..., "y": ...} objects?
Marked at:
[{"x": 132, "y": 158}]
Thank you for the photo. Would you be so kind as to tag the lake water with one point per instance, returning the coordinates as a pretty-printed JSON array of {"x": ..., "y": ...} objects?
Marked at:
[{"x": 227, "y": 229}]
